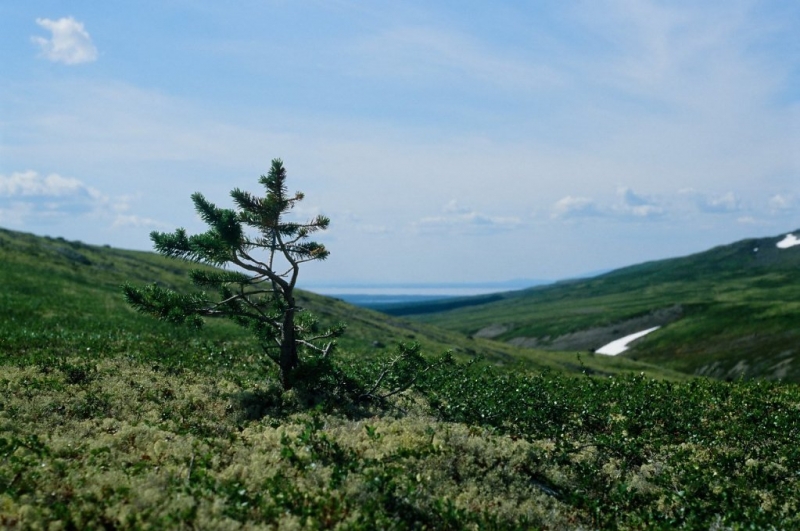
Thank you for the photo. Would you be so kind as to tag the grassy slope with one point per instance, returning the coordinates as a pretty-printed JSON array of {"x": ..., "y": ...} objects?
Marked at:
[
  {"x": 111, "y": 420},
  {"x": 738, "y": 309},
  {"x": 65, "y": 297}
]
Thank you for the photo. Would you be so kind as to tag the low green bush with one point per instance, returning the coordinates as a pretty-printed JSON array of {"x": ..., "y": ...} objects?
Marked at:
[
  {"x": 636, "y": 452},
  {"x": 127, "y": 443}
]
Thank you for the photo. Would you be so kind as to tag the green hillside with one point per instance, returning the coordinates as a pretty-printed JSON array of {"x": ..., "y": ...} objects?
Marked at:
[
  {"x": 111, "y": 420},
  {"x": 728, "y": 312},
  {"x": 63, "y": 297}
]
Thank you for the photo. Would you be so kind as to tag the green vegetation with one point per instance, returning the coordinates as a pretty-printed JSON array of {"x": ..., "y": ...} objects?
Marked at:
[
  {"x": 123, "y": 444},
  {"x": 260, "y": 296},
  {"x": 110, "y": 419},
  {"x": 64, "y": 297},
  {"x": 728, "y": 312}
]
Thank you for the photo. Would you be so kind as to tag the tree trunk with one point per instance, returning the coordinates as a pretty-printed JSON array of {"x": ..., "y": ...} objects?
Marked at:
[{"x": 288, "y": 360}]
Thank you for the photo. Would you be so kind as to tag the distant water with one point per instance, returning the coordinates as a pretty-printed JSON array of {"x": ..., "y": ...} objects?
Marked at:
[
  {"x": 371, "y": 301},
  {"x": 375, "y": 297}
]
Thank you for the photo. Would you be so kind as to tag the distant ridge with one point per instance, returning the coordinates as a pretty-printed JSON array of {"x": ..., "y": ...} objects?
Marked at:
[
  {"x": 392, "y": 298},
  {"x": 731, "y": 311},
  {"x": 425, "y": 287},
  {"x": 61, "y": 297}
]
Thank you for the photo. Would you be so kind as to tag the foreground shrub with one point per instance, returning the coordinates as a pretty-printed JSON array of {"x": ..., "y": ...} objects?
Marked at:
[
  {"x": 129, "y": 444},
  {"x": 177, "y": 452},
  {"x": 634, "y": 452}
]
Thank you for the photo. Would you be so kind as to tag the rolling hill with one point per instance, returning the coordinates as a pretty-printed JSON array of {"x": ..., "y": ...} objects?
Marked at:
[
  {"x": 732, "y": 311},
  {"x": 112, "y": 420},
  {"x": 60, "y": 297}
]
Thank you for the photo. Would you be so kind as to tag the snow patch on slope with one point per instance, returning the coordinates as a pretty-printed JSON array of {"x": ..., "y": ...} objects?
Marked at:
[
  {"x": 621, "y": 345},
  {"x": 789, "y": 241}
]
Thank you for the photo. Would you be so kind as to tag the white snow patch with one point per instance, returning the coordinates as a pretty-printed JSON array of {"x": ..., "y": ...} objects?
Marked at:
[
  {"x": 621, "y": 345},
  {"x": 789, "y": 241}
]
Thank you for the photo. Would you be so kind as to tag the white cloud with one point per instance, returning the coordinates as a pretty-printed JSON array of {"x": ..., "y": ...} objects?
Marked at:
[
  {"x": 430, "y": 53},
  {"x": 685, "y": 203},
  {"x": 780, "y": 203},
  {"x": 718, "y": 204},
  {"x": 69, "y": 44},
  {"x": 30, "y": 183},
  {"x": 130, "y": 220},
  {"x": 629, "y": 205},
  {"x": 27, "y": 196},
  {"x": 713, "y": 203},
  {"x": 460, "y": 218},
  {"x": 637, "y": 205},
  {"x": 32, "y": 201},
  {"x": 575, "y": 207}
]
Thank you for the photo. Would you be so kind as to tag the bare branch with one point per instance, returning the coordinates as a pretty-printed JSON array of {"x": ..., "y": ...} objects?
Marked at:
[
  {"x": 271, "y": 275},
  {"x": 321, "y": 336},
  {"x": 401, "y": 388},
  {"x": 323, "y": 350},
  {"x": 266, "y": 269},
  {"x": 382, "y": 376}
]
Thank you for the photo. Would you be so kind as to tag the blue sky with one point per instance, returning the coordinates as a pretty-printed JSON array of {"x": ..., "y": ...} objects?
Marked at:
[{"x": 447, "y": 141}]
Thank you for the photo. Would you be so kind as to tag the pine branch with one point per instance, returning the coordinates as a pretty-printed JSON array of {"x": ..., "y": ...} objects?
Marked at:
[
  {"x": 247, "y": 202},
  {"x": 217, "y": 278}
]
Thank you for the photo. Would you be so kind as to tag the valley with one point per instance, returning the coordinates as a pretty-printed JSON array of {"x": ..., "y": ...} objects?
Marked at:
[
  {"x": 728, "y": 312},
  {"x": 111, "y": 419}
]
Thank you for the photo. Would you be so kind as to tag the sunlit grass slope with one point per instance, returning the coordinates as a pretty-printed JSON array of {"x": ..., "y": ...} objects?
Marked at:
[
  {"x": 728, "y": 312},
  {"x": 60, "y": 297},
  {"x": 111, "y": 420}
]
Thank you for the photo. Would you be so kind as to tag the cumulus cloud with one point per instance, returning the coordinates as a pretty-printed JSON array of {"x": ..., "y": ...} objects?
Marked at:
[
  {"x": 69, "y": 43},
  {"x": 460, "y": 218},
  {"x": 637, "y": 205},
  {"x": 28, "y": 198},
  {"x": 780, "y": 203},
  {"x": 718, "y": 204},
  {"x": 629, "y": 205},
  {"x": 130, "y": 220},
  {"x": 29, "y": 183},
  {"x": 27, "y": 194},
  {"x": 713, "y": 203},
  {"x": 575, "y": 207}
]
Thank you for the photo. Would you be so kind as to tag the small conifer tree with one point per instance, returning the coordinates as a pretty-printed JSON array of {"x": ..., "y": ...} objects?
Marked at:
[{"x": 256, "y": 288}]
